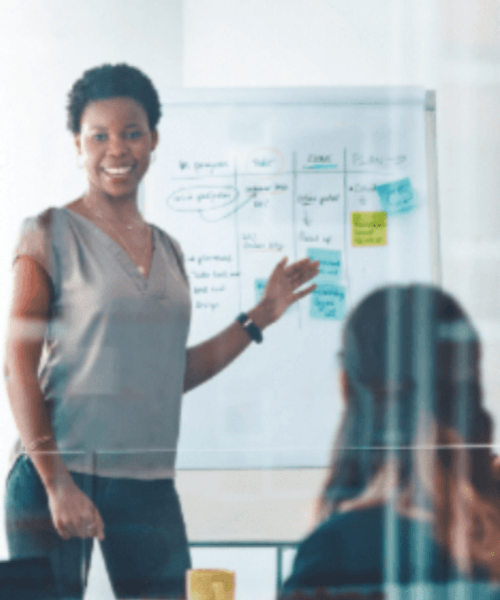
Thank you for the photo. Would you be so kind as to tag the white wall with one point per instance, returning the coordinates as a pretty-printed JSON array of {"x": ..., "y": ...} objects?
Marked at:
[
  {"x": 309, "y": 42},
  {"x": 469, "y": 177}
]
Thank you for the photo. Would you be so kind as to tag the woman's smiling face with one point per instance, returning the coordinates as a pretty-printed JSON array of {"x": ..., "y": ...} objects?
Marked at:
[{"x": 115, "y": 142}]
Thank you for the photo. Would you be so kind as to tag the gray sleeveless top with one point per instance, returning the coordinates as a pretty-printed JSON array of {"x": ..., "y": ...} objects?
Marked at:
[{"x": 114, "y": 355}]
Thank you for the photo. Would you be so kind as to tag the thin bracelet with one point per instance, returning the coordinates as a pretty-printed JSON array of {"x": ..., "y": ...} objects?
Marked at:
[{"x": 38, "y": 442}]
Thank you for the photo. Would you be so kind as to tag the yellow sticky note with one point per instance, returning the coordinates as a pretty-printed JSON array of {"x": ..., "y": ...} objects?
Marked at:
[{"x": 369, "y": 228}]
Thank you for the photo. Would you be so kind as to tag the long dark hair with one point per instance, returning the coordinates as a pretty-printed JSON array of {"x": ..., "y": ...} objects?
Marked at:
[{"x": 410, "y": 356}]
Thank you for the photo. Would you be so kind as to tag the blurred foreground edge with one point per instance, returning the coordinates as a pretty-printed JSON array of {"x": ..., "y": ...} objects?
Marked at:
[{"x": 27, "y": 579}]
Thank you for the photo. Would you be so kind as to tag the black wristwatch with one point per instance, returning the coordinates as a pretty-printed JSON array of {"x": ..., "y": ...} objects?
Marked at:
[{"x": 250, "y": 327}]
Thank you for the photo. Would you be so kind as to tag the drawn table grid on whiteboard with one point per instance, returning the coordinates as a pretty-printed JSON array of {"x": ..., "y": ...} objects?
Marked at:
[{"x": 240, "y": 186}]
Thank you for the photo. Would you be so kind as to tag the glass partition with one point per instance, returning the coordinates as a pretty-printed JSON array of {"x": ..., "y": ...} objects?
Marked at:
[
  {"x": 246, "y": 521},
  {"x": 241, "y": 520}
]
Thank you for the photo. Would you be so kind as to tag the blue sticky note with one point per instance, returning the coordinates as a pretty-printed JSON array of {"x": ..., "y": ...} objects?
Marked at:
[
  {"x": 328, "y": 301},
  {"x": 397, "y": 196},
  {"x": 260, "y": 286},
  {"x": 330, "y": 265}
]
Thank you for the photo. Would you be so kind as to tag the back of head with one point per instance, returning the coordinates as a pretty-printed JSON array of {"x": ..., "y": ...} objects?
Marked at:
[
  {"x": 405, "y": 350},
  {"x": 413, "y": 398}
]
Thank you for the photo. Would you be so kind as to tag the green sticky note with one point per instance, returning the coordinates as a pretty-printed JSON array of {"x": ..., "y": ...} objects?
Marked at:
[{"x": 369, "y": 228}]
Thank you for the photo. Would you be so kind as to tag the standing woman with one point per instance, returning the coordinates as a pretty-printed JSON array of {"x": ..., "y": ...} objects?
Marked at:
[{"x": 96, "y": 358}]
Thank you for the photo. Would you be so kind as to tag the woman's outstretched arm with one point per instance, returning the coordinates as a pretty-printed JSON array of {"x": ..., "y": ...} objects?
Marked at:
[{"x": 212, "y": 356}]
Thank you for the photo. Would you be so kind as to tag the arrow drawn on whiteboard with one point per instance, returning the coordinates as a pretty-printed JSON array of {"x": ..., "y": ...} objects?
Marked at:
[
  {"x": 307, "y": 220},
  {"x": 213, "y": 203}
]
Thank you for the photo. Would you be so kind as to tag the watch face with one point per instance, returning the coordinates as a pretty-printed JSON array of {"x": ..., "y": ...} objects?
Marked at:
[
  {"x": 250, "y": 327},
  {"x": 253, "y": 331}
]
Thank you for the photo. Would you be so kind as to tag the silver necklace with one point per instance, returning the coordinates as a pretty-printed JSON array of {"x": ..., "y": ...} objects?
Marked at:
[{"x": 140, "y": 267}]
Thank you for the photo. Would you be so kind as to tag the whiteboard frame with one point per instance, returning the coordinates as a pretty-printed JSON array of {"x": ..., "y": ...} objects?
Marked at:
[
  {"x": 432, "y": 185},
  {"x": 379, "y": 95}
]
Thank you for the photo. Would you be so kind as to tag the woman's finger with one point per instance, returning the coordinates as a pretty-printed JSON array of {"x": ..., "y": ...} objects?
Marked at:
[
  {"x": 99, "y": 529},
  {"x": 63, "y": 531},
  {"x": 86, "y": 530},
  {"x": 92, "y": 526},
  {"x": 297, "y": 266},
  {"x": 305, "y": 292},
  {"x": 307, "y": 267},
  {"x": 279, "y": 269},
  {"x": 98, "y": 525},
  {"x": 89, "y": 530},
  {"x": 306, "y": 275},
  {"x": 282, "y": 263}
]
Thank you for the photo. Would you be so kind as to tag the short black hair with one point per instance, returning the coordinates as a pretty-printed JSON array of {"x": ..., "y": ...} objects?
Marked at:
[{"x": 111, "y": 81}]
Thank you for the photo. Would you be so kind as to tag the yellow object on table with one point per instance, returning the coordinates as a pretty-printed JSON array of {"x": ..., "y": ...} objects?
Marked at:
[{"x": 210, "y": 584}]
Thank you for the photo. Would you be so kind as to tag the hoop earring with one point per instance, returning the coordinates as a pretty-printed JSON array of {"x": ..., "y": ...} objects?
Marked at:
[
  {"x": 152, "y": 157},
  {"x": 79, "y": 163}
]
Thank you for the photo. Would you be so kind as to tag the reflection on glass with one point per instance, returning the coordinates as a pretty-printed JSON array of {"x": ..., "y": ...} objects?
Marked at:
[{"x": 413, "y": 490}]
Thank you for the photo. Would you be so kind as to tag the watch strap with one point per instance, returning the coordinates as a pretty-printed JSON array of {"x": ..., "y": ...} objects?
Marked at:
[{"x": 250, "y": 327}]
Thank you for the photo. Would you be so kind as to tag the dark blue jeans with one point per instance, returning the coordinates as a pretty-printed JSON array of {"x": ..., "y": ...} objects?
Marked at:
[{"x": 145, "y": 546}]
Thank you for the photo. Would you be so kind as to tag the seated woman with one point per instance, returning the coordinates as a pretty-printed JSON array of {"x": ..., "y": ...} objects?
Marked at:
[{"x": 407, "y": 499}]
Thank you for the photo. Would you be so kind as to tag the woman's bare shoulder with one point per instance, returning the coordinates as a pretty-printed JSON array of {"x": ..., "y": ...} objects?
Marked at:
[{"x": 32, "y": 289}]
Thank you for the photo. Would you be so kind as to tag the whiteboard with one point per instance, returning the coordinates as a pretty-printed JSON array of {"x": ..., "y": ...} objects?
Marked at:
[{"x": 245, "y": 177}]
